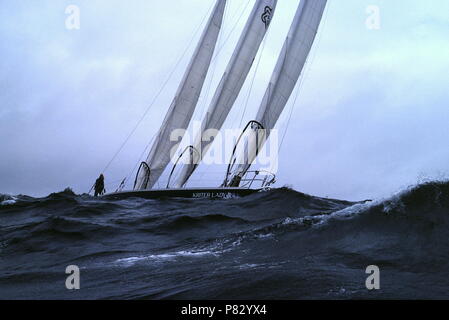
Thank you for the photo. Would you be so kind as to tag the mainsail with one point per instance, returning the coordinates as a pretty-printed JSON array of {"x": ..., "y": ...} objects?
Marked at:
[
  {"x": 183, "y": 106},
  {"x": 232, "y": 81},
  {"x": 288, "y": 69}
]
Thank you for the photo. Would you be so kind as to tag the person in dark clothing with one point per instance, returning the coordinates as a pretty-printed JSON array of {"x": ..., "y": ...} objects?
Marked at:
[{"x": 99, "y": 186}]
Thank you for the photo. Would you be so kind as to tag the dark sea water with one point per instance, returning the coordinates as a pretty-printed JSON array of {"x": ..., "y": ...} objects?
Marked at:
[{"x": 279, "y": 244}]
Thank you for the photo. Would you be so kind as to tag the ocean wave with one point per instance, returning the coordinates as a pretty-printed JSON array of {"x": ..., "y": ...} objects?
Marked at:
[
  {"x": 279, "y": 238},
  {"x": 424, "y": 201},
  {"x": 425, "y": 207}
]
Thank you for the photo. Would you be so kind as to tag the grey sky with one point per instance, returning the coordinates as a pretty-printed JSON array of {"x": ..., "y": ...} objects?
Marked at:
[{"x": 371, "y": 117}]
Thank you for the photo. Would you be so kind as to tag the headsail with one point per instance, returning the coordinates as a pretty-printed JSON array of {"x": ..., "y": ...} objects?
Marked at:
[
  {"x": 183, "y": 106},
  {"x": 232, "y": 80},
  {"x": 288, "y": 69}
]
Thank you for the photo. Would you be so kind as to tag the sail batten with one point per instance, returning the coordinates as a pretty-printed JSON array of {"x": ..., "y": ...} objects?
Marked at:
[
  {"x": 183, "y": 106},
  {"x": 232, "y": 80},
  {"x": 289, "y": 67}
]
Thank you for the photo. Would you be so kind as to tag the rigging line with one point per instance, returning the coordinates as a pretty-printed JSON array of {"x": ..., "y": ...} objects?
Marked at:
[
  {"x": 308, "y": 67},
  {"x": 203, "y": 111},
  {"x": 213, "y": 69},
  {"x": 233, "y": 28},
  {"x": 141, "y": 157},
  {"x": 254, "y": 78},
  {"x": 111, "y": 185},
  {"x": 158, "y": 94}
]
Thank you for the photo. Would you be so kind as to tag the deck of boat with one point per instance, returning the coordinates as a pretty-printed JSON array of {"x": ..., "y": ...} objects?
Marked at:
[{"x": 193, "y": 193}]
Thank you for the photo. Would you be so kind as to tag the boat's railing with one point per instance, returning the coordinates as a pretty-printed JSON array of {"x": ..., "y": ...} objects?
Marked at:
[{"x": 264, "y": 179}]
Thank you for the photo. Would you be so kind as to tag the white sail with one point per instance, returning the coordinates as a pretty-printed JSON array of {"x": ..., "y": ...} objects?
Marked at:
[
  {"x": 232, "y": 81},
  {"x": 288, "y": 69},
  {"x": 183, "y": 106}
]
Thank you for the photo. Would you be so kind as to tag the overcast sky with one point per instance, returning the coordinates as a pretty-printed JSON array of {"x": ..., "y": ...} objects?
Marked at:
[{"x": 372, "y": 114}]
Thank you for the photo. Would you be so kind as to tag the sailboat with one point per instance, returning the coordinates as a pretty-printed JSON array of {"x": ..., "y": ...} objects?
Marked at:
[{"x": 239, "y": 180}]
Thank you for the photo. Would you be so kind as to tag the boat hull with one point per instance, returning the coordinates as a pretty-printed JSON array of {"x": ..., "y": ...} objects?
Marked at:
[{"x": 196, "y": 193}]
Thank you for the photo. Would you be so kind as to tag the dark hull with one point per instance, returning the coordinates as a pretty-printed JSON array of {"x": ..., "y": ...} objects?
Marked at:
[{"x": 197, "y": 193}]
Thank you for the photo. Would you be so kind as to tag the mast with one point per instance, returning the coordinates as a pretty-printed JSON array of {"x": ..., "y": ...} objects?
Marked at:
[
  {"x": 183, "y": 106},
  {"x": 288, "y": 69},
  {"x": 231, "y": 82}
]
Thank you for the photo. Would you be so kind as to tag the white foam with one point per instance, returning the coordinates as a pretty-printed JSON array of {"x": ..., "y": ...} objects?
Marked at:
[
  {"x": 249, "y": 266},
  {"x": 345, "y": 213},
  {"x": 8, "y": 202},
  {"x": 164, "y": 257},
  {"x": 265, "y": 236}
]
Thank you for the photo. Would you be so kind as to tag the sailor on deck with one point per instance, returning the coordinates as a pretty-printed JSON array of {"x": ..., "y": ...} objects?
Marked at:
[{"x": 99, "y": 186}]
